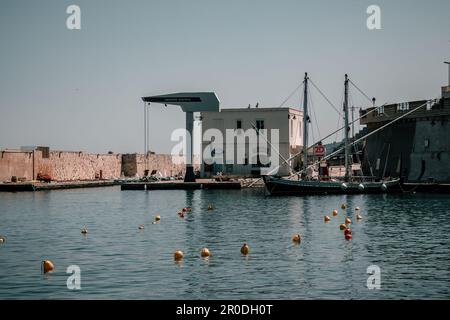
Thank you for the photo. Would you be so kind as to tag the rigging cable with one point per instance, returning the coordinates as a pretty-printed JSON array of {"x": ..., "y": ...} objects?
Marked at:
[
  {"x": 326, "y": 98},
  {"x": 362, "y": 92},
  {"x": 293, "y": 92},
  {"x": 315, "y": 117}
]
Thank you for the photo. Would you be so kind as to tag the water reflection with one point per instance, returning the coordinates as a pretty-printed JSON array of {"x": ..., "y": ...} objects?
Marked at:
[{"x": 405, "y": 235}]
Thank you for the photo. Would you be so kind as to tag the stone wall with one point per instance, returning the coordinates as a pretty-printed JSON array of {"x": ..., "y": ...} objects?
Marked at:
[
  {"x": 16, "y": 163},
  {"x": 72, "y": 166},
  {"x": 165, "y": 164},
  {"x": 66, "y": 166}
]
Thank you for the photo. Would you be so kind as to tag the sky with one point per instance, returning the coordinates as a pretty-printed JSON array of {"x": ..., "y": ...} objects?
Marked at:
[{"x": 81, "y": 89}]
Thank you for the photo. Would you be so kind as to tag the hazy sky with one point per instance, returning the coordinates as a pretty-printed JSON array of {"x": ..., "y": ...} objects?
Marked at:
[{"x": 81, "y": 89}]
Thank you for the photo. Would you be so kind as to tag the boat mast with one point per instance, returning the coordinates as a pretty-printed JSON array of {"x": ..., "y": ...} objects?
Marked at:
[
  {"x": 305, "y": 122},
  {"x": 346, "y": 130}
]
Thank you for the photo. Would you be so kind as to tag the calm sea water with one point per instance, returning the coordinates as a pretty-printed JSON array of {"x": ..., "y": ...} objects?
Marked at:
[{"x": 407, "y": 236}]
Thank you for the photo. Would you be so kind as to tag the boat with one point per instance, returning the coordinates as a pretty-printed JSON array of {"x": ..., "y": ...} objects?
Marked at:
[
  {"x": 349, "y": 184},
  {"x": 282, "y": 186}
]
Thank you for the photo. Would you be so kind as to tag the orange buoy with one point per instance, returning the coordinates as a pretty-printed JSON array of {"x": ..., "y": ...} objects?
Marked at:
[
  {"x": 344, "y": 206},
  {"x": 205, "y": 253},
  {"x": 181, "y": 214},
  {"x": 84, "y": 231},
  {"x": 141, "y": 227},
  {"x": 335, "y": 213},
  {"x": 157, "y": 218},
  {"x": 47, "y": 266},
  {"x": 245, "y": 249},
  {"x": 347, "y": 231},
  {"x": 178, "y": 255},
  {"x": 348, "y": 221},
  {"x": 342, "y": 227},
  {"x": 296, "y": 238},
  {"x": 326, "y": 218},
  {"x": 358, "y": 217},
  {"x": 348, "y": 236}
]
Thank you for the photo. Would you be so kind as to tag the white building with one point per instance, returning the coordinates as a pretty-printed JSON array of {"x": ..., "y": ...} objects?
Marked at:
[{"x": 288, "y": 121}]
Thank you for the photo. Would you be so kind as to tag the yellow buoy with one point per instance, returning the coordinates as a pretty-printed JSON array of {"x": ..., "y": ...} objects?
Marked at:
[
  {"x": 47, "y": 266},
  {"x": 141, "y": 227},
  {"x": 2, "y": 239},
  {"x": 205, "y": 253},
  {"x": 342, "y": 227},
  {"x": 348, "y": 221},
  {"x": 157, "y": 218},
  {"x": 335, "y": 213},
  {"x": 178, "y": 255},
  {"x": 326, "y": 218},
  {"x": 344, "y": 206},
  {"x": 210, "y": 207},
  {"x": 245, "y": 249},
  {"x": 358, "y": 217},
  {"x": 357, "y": 209},
  {"x": 84, "y": 231},
  {"x": 297, "y": 238}
]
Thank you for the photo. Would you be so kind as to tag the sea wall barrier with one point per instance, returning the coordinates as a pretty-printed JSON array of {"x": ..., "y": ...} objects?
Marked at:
[{"x": 77, "y": 166}]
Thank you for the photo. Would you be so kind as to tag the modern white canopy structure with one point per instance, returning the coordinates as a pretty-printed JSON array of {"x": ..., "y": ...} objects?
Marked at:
[{"x": 189, "y": 102}]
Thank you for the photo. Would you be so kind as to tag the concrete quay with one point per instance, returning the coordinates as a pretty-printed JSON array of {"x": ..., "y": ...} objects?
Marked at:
[
  {"x": 181, "y": 185},
  {"x": 39, "y": 186}
]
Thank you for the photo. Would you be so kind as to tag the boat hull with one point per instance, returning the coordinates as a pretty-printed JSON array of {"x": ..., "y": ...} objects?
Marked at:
[{"x": 279, "y": 186}]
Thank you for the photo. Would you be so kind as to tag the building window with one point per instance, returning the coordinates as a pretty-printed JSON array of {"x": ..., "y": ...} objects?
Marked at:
[
  {"x": 259, "y": 125},
  {"x": 238, "y": 124},
  {"x": 292, "y": 128},
  {"x": 403, "y": 106}
]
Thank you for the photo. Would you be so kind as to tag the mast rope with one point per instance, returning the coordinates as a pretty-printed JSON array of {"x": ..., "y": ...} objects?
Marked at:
[
  {"x": 314, "y": 114},
  {"x": 360, "y": 91},
  {"x": 293, "y": 92},
  {"x": 326, "y": 98}
]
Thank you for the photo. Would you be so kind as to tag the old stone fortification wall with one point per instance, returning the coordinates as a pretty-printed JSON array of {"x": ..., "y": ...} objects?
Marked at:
[
  {"x": 19, "y": 164},
  {"x": 165, "y": 164},
  {"x": 66, "y": 166},
  {"x": 70, "y": 166}
]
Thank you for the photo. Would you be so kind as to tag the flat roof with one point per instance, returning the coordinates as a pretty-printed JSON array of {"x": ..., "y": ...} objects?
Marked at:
[{"x": 260, "y": 109}]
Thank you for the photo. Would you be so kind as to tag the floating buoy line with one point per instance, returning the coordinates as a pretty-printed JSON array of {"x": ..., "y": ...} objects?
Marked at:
[
  {"x": 346, "y": 225},
  {"x": 47, "y": 266}
]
